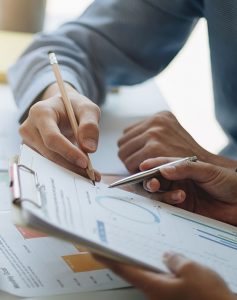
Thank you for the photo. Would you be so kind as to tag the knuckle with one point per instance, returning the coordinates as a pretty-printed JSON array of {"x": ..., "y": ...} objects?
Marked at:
[
  {"x": 164, "y": 118},
  {"x": 121, "y": 155},
  {"x": 188, "y": 266},
  {"x": 88, "y": 105},
  {"x": 152, "y": 133},
  {"x": 151, "y": 148},
  {"x": 95, "y": 108},
  {"x": 131, "y": 165},
  {"x": 90, "y": 125},
  {"x": 69, "y": 156},
  {"x": 50, "y": 139},
  {"x": 37, "y": 109},
  {"x": 24, "y": 130},
  {"x": 166, "y": 114},
  {"x": 189, "y": 163}
]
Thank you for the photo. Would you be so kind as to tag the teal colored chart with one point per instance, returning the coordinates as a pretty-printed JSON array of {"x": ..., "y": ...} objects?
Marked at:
[{"x": 124, "y": 208}]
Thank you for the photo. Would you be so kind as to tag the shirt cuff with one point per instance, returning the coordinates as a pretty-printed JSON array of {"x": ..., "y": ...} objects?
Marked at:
[{"x": 38, "y": 86}]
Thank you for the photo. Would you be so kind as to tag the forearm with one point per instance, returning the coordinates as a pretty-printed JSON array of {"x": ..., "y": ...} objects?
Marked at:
[{"x": 95, "y": 50}]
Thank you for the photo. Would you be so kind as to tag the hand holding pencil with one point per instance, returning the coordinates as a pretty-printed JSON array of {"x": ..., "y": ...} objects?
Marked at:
[{"x": 69, "y": 109}]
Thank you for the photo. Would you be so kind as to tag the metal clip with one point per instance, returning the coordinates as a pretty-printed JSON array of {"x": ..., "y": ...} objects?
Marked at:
[{"x": 16, "y": 185}]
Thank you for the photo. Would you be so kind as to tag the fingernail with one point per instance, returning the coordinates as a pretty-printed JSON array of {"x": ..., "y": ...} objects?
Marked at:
[
  {"x": 176, "y": 196},
  {"x": 90, "y": 143},
  {"x": 167, "y": 255},
  {"x": 97, "y": 177},
  {"x": 81, "y": 163},
  {"x": 148, "y": 186}
]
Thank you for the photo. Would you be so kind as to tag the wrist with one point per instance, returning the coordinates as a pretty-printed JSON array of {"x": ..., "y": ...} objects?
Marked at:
[
  {"x": 222, "y": 161},
  {"x": 53, "y": 90}
]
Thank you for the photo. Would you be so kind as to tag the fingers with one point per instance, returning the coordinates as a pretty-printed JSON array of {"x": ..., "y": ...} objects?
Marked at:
[
  {"x": 126, "y": 130},
  {"x": 198, "y": 171},
  {"x": 170, "y": 197},
  {"x": 131, "y": 147},
  {"x": 179, "y": 265},
  {"x": 154, "y": 285},
  {"x": 173, "y": 197},
  {"x": 152, "y": 185},
  {"x": 155, "y": 162},
  {"x": 133, "y": 162},
  {"x": 56, "y": 142},
  {"x": 88, "y": 116},
  {"x": 34, "y": 140},
  {"x": 133, "y": 131},
  {"x": 49, "y": 121}
]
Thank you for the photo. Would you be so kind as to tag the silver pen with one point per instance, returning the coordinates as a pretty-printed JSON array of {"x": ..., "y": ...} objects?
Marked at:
[{"x": 149, "y": 173}]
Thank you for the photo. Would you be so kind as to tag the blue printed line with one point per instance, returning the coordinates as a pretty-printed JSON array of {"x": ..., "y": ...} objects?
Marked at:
[
  {"x": 221, "y": 238},
  {"x": 221, "y": 243},
  {"x": 208, "y": 226}
]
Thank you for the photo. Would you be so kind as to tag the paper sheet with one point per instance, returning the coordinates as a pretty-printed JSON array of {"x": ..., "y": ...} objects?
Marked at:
[
  {"x": 128, "y": 224},
  {"x": 35, "y": 264}
]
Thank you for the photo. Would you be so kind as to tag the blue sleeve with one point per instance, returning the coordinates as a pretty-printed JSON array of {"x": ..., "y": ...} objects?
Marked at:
[{"x": 115, "y": 42}]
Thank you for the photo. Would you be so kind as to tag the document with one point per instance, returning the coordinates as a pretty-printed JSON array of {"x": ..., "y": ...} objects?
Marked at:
[
  {"x": 34, "y": 264},
  {"x": 119, "y": 224}
]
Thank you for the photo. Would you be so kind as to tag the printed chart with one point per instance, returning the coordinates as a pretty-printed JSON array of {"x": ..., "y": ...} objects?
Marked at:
[{"x": 124, "y": 208}]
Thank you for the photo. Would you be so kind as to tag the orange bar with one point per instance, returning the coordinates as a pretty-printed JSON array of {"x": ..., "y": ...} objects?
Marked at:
[
  {"x": 30, "y": 233},
  {"x": 82, "y": 263}
]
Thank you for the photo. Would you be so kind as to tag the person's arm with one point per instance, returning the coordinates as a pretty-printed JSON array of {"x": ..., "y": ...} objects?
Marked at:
[
  {"x": 187, "y": 280},
  {"x": 112, "y": 43}
]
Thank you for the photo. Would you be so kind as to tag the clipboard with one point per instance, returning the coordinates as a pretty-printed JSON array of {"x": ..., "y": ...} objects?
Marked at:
[
  {"x": 16, "y": 187},
  {"x": 18, "y": 198},
  {"x": 115, "y": 223}
]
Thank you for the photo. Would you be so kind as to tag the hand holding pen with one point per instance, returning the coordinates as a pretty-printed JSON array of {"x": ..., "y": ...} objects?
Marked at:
[{"x": 152, "y": 172}]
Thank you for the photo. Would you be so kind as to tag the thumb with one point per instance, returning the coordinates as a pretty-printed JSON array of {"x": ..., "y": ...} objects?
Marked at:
[
  {"x": 88, "y": 116},
  {"x": 176, "y": 263},
  {"x": 198, "y": 171}
]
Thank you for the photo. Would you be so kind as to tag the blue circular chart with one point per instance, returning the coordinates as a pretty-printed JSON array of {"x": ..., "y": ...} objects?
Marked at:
[{"x": 124, "y": 208}]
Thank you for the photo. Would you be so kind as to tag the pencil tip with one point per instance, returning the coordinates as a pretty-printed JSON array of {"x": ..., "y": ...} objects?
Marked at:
[{"x": 93, "y": 181}]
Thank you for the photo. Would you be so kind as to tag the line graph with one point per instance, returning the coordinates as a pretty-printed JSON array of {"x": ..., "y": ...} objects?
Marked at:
[{"x": 125, "y": 208}]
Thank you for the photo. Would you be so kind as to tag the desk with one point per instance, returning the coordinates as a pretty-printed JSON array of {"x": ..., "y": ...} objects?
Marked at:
[{"x": 119, "y": 103}]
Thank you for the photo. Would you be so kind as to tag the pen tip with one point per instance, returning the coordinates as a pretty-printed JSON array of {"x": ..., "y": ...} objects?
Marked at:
[{"x": 93, "y": 181}]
